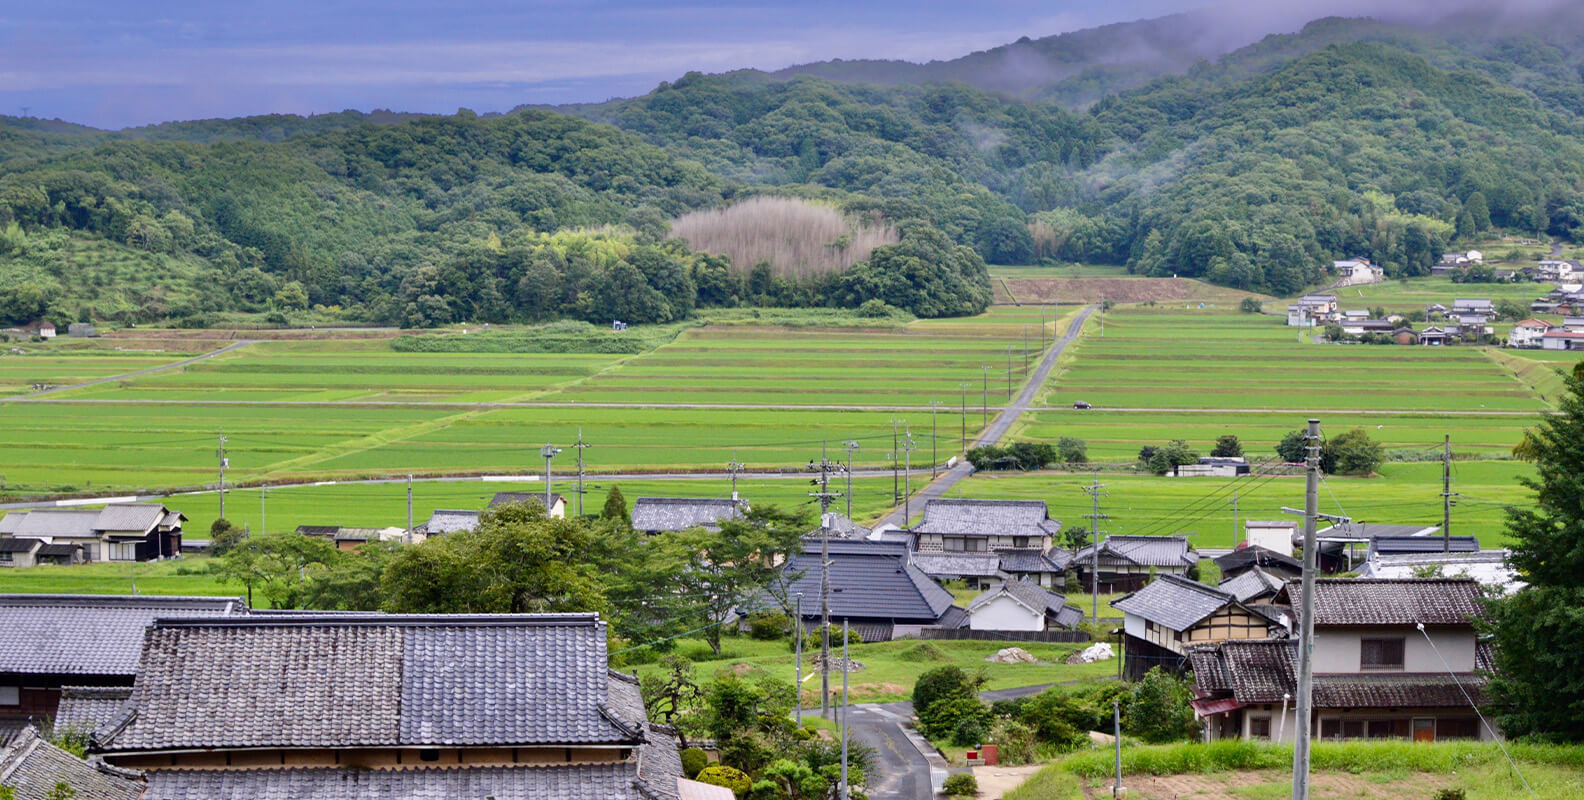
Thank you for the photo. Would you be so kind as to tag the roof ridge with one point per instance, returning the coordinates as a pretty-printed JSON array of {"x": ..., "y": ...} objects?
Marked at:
[{"x": 579, "y": 619}]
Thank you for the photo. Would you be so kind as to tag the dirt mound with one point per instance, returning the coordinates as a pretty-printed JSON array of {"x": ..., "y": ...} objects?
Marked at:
[
  {"x": 1119, "y": 290},
  {"x": 922, "y": 652}
]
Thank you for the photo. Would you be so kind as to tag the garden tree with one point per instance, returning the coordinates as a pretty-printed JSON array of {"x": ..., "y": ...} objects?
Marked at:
[
  {"x": 1072, "y": 450},
  {"x": 1352, "y": 453},
  {"x": 615, "y": 508},
  {"x": 669, "y": 696},
  {"x": 517, "y": 561},
  {"x": 1162, "y": 459},
  {"x": 713, "y": 574},
  {"x": 1536, "y": 689},
  {"x": 945, "y": 698},
  {"x": 1227, "y": 446},
  {"x": 280, "y": 565},
  {"x": 1250, "y": 305},
  {"x": 351, "y": 583},
  {"x": 223, "y": 536},
  {"x": 1158, "y": 709}
]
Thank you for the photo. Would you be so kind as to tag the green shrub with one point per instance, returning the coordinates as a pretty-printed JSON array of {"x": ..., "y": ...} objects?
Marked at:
[
  {"x": 924, "y": 651},
  {"x": 971, "y": 730},
  {"x": 768, "y": 625},
  {"x": 1015, "y": 742},
  {"x": 729, "y": 777},
  {"x": 811, "y": 640},
  {"x": 966, "y": 718},
  {"x": 1158, "y": 710},
  {"x": 963, "y": 784},
  {"x": 943, "y": 683},
  {"x": 694, "y": 761}
]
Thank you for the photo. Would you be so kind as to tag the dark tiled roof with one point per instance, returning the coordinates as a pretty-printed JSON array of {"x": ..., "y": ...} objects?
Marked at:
[
  {"x": 502, "y": 498},
  {"x": 1393, "y": 601},
  {"x": 682, "y": 513},
  {"x": 605, "y": 781},
  {"x": 869, "y": 580},
  {"x": 129, "y": 517},
  {"x": 9, "y": 545},
  {"x": 1026, "y": 561},
  {"x": 958, "y": 565},
  {"x": 1254, "y": 555},
  {"x": 55, "y": 550},
  {"x": 317, "y": 530},
  {"x": 89, "y": 634},
  {"x": 1177, "y": 603},
  {"x": 1210, "y": 675},
  {"x": 659, "y": 761},
  {"x": 85, "y": 708},
  {"x": 1059, "y": 558},
  {"x": 1396, "y": 691},
  {"x": 1394, "y": 545},
  {"x": 1252, "y": 584},
  {"x": 1002, "y": 517},
  {"x": 1259, "y": 671},
  {"x": 32, "y": 767},
  {"x": 353, "y": 681},
  {"x": 1144, "y": 551}
]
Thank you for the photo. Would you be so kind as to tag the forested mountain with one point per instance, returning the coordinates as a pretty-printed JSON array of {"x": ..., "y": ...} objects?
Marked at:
[{"x": 1351, "y": 137}]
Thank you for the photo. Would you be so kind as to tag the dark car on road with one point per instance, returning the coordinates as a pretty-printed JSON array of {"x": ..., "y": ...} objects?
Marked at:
[{"x": 1081, "y": 404}]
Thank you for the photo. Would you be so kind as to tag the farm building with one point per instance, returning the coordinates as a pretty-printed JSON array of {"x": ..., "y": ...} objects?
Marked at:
[
  {"x": 1212, "y": 467},
  {"x": 1021, "y": 605},
  {"x": 672, "y": 514},
  {"x": 19, "y": 552},
  {"x": 117, "y": 532},
  {"x": 1312, "y": 310},
  {"x": 514, "y": 707},
  {"x": 1558, "y": 339},
  {"x": 52, "y": 641},
  {"x": 1126, "y": 563},
  {"x": 873, "y": 585},
  {"x": 1489, "y": 567},
  {"x": 1249, "y": 556},
  {"x": 1277, "y": 536},
  {"x": 1377, "y": 675},
  {"x": 1169, "y": 614},
  {"x": 348, "y": 538}
]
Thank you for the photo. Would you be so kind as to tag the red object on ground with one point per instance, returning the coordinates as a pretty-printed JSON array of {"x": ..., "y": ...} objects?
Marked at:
[{"x": 988, "y": 753}]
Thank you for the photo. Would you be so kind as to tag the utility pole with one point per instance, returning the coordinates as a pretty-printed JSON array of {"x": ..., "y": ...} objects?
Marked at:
[
  {"x": 1446, "y": 493},
  {"x": 1009, "y": 373},
  {"x": 907, "y": 479},
  {"x": 825, "y": 496},
  {"x": 1025, "y": 346},
  {"x": 797, "y": 682},
  {"x": 734, "y": 466},
  {"x": 896, "y": 484},
  {"x": 984, "y": 397},
  {"x": 580, "y": 446},
  {"x": 852, "y": 447},
  {"x": 964, "y": 387},
  {"x": 934, "y": 454},
  {"x": 1300, "y": 790},
  {"x": 846, "y": 708},
  {"x": 1234, "y": 518},
  {"x": 549, "y": 451},
  {"x": 1102, "y": 316},
  {"x": 224, "y": 462},
  {"x": 263, "y": 515},
  {"x": 1093, "y": 490},
  {"x": 1116, "y": 727},
  {"x": 409, "y": 509}
]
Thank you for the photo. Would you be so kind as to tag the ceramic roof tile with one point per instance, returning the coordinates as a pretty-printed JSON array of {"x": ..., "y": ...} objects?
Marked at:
[
  {"x": 129, "y": 517},
  {"x": 1177, "y": 603},
  {"x": 682, "y": 513},
  {"x": 89, "y": 634},
  {"x": 56, "y": 522},
  {"x": 955, "y": 565},
  {"x": 85, "y": 708},
  {"x": 1001, "y": 517},
  {"x": 870, "y": 580},
  {"x": 1254, "y": 583},
  {"x": 451, "y": 521},
  {"x": 32, "y": 767},
  {"x": 1144, "y": 551},
  {"x": 1394, "y": 601},
  {"x": 603, "y": 781}
]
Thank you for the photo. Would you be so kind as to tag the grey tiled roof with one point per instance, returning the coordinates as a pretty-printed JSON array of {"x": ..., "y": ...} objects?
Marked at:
[
  {"x": 89, "y": 634},
  {"x": 56, "y": 522},
  {"x": 1026, "y": 561},
  {"x": 659, "y": 761},
  {"x": 10, "y": 522},
  {"x": 1061, "y": 558},
  {"x": 1256, "y": 671},
  {"x": 1396, "y": 691},
  {"x": 9, "y": 545},
  {"x": 451, "y": 521},
  {"x": 1254, "y": 583},
  {"x": 1254, "y": 555},
  {"x": 85, "y": 708},
  {"x": 50, "y": 550},
  {"x": 1393, "y": 601},
  {"x": 958, "y": 565},
  {"x": 682, "y": 513},
  {"x": 1003, "y": 517},
  {"x": 603, "y": 781},
  {"x": 129, "y": 517},
  {"x": 32, "y": 767},
  {"x": 1261, "y": 671},
  {"x": 1177, "y": 603},
  {"x": 1031, "y": 596},
  {"x": 354, "y": 681},
  {"x": 871, "y": 580},
  {"x": 502, "y": 498},
  {"x": 1144, "y": 551}
]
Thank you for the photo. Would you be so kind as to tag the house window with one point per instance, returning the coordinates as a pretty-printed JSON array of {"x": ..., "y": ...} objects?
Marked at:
[
  {"x": 1020, "y": 542},
  {"x": 10, "y": 695},
  {"x": 5, "y": 556},
  {"x": 1457, "y": 728},
  {"x": 1259, "y": 727},
  {"x": 953, "y": 545},
  {"x": 1380, "y": 653}
]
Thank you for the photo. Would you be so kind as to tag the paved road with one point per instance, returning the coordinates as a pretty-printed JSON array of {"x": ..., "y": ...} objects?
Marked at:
[
  {"x": 1002, "y": 423},
  {"x": 161, "y": 368}
]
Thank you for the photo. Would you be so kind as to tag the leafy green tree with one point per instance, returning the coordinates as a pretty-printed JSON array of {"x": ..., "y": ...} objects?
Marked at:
[
  {"x": 1353, "y": 453},
  {"x": 1536, "y": 689},
  {"x": 291, "y": 297},
  {"x": 223, "y": 537},
  {"x": 944, "y": 684},
  {"x": 615, "y": 508},
  {"x": 1158, "y": 711},
  {"x": 1072, "y": 450},
  {"x": 1227, "y": 446},
  {"x": 1478, "y": 210},
  {"x": 280, "y": 565},
  {"x": 716, "y": 573},
  {"x": 1251, "y": 305},
  {"x": 1293, "y": 448}
]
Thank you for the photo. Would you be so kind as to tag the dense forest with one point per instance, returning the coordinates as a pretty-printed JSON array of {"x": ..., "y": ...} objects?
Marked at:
[{"x": 1349, "y": 138}]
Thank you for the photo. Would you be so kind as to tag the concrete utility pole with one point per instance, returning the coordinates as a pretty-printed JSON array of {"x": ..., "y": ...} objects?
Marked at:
[
  {"x": 580, "y": 447},
  {"x": 1095, "y": 493},
  {"x": 224, "y": 462},
  {"x": 1446, "y": 494},
  {"x": 907, "y": 479},
  {"x": 896, "y": 484},
  {"x": 846, "y": 709},
  {"x": 263, "y": 515},
  {"x": 1116, "y": 730},
  {"x": 1009, "y": 373},
  {"x": 409, "y": 509},
  {"x": 964, "y": 387},
  {"x": 549, "y": 451},
  {"x": 852, "y": 447},
  {"x": 1300, "y": 790},
  {"x": 1234, "y": 518},
  {"x": 984, "y": 397},
  {"x": 734, "y": 466},
  {"x": 1025, "y": 347},
  {"x": 825, "y": 496},
  {"x": 797, "y": 682},
  {"x": 934, "y": 454},
  {"x": 1102, "y": 316}
]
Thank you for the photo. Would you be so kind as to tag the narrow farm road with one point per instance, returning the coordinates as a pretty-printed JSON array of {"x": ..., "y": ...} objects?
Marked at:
[
  {"x": 112, "y": 379},
  {"x": 1002, "y": 423}
]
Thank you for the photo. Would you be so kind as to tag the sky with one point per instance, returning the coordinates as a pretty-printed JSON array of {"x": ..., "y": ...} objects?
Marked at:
[{"x": 118, "y": 63}]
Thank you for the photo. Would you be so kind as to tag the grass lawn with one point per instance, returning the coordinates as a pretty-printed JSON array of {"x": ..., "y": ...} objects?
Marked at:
[
  {"x": 1416, "y": 293},
  {"x": 890, "y": 668},
  {"x": 1364, "y": 770},
  {"x": 185, "y": 576}
]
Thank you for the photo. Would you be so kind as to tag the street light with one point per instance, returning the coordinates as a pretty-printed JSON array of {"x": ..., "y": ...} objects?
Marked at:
[{"x": 549, "y": 451}]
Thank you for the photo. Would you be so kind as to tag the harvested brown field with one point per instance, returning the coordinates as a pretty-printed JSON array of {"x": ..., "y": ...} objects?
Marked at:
[{"x": 1120, "y": 290}]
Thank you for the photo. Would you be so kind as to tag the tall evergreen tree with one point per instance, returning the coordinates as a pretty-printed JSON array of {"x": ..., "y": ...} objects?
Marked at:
[
  {"x": 1538, "y": 688},
  {"x": 615, "y": 507}
]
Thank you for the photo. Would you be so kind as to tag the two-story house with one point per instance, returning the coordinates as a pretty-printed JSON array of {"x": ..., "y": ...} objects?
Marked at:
[
  {"x": 1018, "y": 532},
  {"x": 1162, "y": 619},
  {"x": 366, "y": 707},
  {"x": 1126, "y": 563},
  {"x": 1395, "y": 658}
]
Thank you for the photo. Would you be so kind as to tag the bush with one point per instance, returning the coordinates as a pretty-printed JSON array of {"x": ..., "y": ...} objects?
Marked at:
[
  {"x": 1014, "y": 742},
  {"x": 1227, "y": 446},
  {"x": 955, "y": 718},
  {"x": 694, "y": 761},
  {"x": 875, "y": 308},
  {"x": 1158, "y": 710},
  {"x": 942, "y": 684},
  {"x": 811, "y": 640},
  {"x": 729, "y": 777},
  {"x": 963, "y": 784},
  {"x": 1072, "y": 450},
  {"x": 971, "y": 730},
  {"x": 768, "y": 625},
  {"x": 1451, "y": 794},
  {"x": 1018, "y": 456},
  {"x": 1249, "y": 306}
]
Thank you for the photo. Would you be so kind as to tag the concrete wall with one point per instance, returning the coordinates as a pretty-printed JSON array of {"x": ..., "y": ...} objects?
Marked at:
[
  {"x": 1337, "y": 649},
  {"x": 1005, "y": 614}
]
